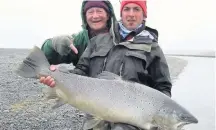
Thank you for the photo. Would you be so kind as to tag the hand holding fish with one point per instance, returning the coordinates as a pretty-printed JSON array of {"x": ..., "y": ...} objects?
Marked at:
[
  {"x": 49, "y": 81},
  {"x": 65, "y": 68}
]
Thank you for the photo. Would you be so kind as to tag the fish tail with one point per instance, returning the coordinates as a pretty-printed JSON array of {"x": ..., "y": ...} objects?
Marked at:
[{"x": 34, "y": 64}]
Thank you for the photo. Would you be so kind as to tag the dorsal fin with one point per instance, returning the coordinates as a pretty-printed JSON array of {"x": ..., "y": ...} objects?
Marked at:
[{"x": 108, "y": 75}]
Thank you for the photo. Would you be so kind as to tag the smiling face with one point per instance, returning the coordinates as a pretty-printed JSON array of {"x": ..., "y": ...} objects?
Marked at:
[
  {"x": 132, "y": 16},
  {"x": 96, "y": 18}
]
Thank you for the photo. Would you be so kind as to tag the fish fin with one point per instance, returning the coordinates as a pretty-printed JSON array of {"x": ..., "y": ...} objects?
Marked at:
[
  {"x": 58, "y": 104},
  {"x": 65, "y": 68},
  {"x": 149, "y": 126},
  {"x": 154, "y": 128},
  {"x": 91, "y": 122},
  {"x": 51, "y": 93},
  {"x": 61, "y": 99},
  {"x": 176, "y": 67},
  {"x": 33, "y": 64},
  {"x": 108, "y": 75}
]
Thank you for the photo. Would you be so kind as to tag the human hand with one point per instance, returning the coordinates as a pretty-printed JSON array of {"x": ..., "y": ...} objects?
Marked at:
[
  {"x": 63, "y": 45},
  {"x": 49, "y": 81}
]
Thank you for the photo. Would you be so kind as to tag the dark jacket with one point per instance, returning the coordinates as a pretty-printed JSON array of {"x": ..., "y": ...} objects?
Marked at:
[
  {"x": 139, "y": 59},
  {"x": 80, "y": 41}
]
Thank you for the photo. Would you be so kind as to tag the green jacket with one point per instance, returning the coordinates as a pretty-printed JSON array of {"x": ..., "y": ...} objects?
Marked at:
[{"x": 81, "y": 41}]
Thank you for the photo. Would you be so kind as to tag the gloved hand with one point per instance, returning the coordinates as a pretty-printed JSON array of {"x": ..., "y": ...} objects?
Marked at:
[{"x": 63, "y": 44}]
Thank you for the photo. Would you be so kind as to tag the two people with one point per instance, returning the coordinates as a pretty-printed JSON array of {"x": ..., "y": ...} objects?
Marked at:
[{"x": 129, "y": 49}]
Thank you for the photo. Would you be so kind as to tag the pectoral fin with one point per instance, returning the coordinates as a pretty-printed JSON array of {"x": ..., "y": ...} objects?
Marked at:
[
  {"x": 149, "y": 126},
  {"x": 51, "y": 93},
  {"x": 58, "y": 104},
  {"x": 91, "y": 122}
]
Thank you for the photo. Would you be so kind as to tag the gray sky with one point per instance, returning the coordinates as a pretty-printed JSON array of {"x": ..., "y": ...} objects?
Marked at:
[{"x": 182, "y": 24}]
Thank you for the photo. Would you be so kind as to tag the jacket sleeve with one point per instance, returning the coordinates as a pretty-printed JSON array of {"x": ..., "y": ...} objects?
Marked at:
[
  {"x": 159, "y": 72},
  {"x": 54, "y": 58},
  {"x": 49, "y": 52}
]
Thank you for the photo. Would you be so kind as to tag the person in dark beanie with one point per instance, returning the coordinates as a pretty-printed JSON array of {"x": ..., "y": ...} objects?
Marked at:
[
  {"x": 67, "y": 49},
  {"x": 130, "y": 50},
  {"x": 96, "y": 18},
  {"x": 98, "y": 23}
]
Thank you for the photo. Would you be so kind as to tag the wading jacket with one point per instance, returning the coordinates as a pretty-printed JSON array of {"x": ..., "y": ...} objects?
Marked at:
[{"x": 137, "y": 58}]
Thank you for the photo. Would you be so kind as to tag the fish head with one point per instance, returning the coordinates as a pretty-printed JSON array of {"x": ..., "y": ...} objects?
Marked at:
[
  {"x": 183, "y": 117},
  {"x": 173, "y": 116}
]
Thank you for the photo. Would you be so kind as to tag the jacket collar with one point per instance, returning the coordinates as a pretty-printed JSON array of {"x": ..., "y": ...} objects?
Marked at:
[{"x": 115, "y": 32}]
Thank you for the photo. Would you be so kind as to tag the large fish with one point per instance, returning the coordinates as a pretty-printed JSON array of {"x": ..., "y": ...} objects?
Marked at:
[{"x": 109, "y": 98}]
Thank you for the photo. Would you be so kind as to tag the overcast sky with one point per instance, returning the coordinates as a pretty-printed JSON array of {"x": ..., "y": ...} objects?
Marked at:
[{"x": 182, "y": 24}]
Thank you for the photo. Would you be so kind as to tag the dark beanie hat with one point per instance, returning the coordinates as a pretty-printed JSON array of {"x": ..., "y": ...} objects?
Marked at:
[{"x": 100, "y": 4}]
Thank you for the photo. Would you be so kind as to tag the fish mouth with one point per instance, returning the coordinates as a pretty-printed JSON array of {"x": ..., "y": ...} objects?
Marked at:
[
  {"x": 189, "y": 119},
  {"x": 182, "y": 124}
]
